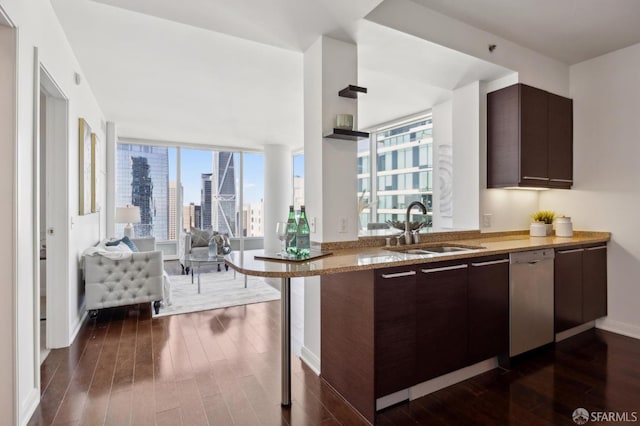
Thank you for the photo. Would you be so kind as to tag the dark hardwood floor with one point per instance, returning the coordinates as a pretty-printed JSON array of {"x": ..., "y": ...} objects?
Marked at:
[{"x": 221, "y": 367}]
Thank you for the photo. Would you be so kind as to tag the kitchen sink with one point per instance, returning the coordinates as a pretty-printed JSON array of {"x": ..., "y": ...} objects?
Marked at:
[{"x": 444, "y": 249}]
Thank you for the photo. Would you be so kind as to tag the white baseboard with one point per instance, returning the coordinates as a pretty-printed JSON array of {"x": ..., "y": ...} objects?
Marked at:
[
  {"x": 77, "y": 326},
  {"x": 452, "y": 378},
  {"x": 626, "y": 329},
  {"x": 311, "y": 359},
  {"x": 29, "y": 405},
  {"x": 575, "y": 330},
  {"x": 392, "y": 399}
]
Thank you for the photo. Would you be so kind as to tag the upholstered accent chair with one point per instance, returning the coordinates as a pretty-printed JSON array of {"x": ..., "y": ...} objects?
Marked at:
[
  {"x": 125, "y": 278},
  {"x": 196, "y": 243}
]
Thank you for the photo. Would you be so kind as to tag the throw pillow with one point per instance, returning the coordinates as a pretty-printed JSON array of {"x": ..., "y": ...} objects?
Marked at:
[
  {"x": 224, "y": 245},
  {"x": 200, "y": 237},
  {"x": 130, "y": 244},
  {"x": 115, "y": 246},
  {"x": 124, "y": 240}
]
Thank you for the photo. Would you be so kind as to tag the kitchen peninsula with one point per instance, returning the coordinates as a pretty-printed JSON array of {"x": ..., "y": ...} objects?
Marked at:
[{"x": 380, "y": 355}]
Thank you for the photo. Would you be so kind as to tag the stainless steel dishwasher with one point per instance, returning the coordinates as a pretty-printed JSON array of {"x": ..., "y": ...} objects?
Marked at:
[{"x": 531, "y": 300}]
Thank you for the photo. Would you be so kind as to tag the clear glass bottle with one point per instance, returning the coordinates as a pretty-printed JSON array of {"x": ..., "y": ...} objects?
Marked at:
[{"x": 303, "y": 243}]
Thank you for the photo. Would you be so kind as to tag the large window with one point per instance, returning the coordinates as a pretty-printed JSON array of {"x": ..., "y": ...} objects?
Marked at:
[
  {"x": 400, "y": 157},
  {"x": 142, "y": 179},
  {"x": 204, "y": 191}
]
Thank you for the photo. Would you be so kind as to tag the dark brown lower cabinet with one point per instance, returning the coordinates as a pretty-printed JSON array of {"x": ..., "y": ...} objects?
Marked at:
[
  {"x": 386, "y": 330},
  {"x": 594, "y": 283},
  {"x": 394, "y": 329},
  {"x": 488, "y": 307},
  {"x": 580, "y": 282},
  {"x": 441, "y": 319},
  {"x": 568, "y": 288}
]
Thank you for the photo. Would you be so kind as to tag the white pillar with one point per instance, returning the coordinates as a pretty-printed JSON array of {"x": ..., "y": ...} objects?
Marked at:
[
  {"x": 110, "y": 208},
  {"x": 330, "y": 172},
  {"x": 278, "y": 191}
]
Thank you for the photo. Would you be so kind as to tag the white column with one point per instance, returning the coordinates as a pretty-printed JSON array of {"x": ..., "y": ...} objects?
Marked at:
[
  {"x": 330, "y": 175},
  {"x": 110, "y": 207},
  {"x": 278, "y": 191}
]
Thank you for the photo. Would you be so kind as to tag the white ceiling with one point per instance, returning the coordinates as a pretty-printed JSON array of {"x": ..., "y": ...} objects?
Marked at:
[
  {"x": 570, "y": 31},
  {"x": 162, "y": 80},
  {"x": 291, "y": 24},
  {"x": 229, "y": 72}
]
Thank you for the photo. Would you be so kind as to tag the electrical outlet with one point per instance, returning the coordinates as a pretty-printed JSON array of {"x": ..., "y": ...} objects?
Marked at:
[
  {"x": 312, "y": 225},
  {"x": 486, "y": 220},
  {"x": 343, "y": 225}
]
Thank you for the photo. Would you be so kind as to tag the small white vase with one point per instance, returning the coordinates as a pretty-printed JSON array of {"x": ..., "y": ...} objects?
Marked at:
[{"x": 540, "y": 229}]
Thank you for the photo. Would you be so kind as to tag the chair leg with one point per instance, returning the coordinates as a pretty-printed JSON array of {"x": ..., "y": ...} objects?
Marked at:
[
  {"x": 93, "y": 313},
  {"x": 218, "y": 267},
  {"x": 156, "y": 306},
  {"x": 183, "y": 271}
]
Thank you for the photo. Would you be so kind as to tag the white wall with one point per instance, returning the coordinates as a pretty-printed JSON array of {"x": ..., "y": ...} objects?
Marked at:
[
  {"x": 466, "y": 153},
  {"x": 38, "y": 26},
  {"x": 442, "y": 205},
  {"x": 7, "y": 222},
  {"x": 605, "y": 195}
]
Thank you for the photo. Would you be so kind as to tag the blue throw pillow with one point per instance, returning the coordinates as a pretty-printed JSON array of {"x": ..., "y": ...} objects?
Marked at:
[
  {"x": 130, "y": 244},
  {"x": 125, "y": 240}
]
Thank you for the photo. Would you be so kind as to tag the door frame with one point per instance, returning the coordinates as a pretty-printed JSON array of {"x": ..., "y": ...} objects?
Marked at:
[
  {"x": 9, "y": 392},
  {"x": 57, "y": 206}
]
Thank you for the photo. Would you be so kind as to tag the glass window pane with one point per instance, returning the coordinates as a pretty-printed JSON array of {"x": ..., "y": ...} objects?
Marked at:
[
  {"x": 253, "y": 182},
  {"x": 142, "y": 179},
  {"x": 195, "y": 168}
]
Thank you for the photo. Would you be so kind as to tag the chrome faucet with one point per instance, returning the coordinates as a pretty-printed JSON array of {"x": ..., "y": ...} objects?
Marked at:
[{"x": 407, "y": 224}]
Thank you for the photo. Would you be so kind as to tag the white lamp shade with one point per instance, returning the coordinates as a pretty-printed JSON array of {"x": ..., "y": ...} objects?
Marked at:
[{"x": 129, "y": 214}]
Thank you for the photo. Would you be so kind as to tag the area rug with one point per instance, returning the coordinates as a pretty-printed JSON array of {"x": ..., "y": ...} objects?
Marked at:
[{"x": 218, "y": 290}]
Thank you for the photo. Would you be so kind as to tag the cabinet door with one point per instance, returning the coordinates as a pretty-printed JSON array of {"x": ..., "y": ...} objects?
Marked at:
[
  {"x": 560, "y": 141},
  {"x": 394, "y": 329},
  {"x": 594, "y": 283},
  {"x": 503, "y": 137},
  {"x": 568, "y": 288},
  {"x": 488, "y": 294},
  {"x": 441, "y": 312},
  {"x": 533, "y": 136}
]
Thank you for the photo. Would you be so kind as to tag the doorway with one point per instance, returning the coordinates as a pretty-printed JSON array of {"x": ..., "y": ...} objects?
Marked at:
[{"x": 50, "y": 212}]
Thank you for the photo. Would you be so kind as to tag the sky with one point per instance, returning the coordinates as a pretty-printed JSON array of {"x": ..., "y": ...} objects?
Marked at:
[{"x": 195, "y": 162}]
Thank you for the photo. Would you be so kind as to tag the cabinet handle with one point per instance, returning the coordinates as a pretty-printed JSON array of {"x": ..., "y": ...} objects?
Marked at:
[
  {"x": 444, "y": 268},
  {"x": 535, "y": 177},
  {"x": 562, "y": 180},
  {"x": 596, "y": 248},
  {"x": 570, "y": 251},
  {"x": 399, "y": 274},
  {"x": 491, "y": 262}
]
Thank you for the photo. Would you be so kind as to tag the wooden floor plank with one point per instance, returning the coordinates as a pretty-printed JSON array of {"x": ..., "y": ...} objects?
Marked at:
[{"x": 222, "y": 367}]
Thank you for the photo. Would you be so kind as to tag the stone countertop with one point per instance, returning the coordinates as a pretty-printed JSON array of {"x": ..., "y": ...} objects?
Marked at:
[{"x": 363, "y": 258}]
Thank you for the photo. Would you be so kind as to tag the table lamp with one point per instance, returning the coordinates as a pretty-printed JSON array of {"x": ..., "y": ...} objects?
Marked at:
[{"x": 128, "y": 215}]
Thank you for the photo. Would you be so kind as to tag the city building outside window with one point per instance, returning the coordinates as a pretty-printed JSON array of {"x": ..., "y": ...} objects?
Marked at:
[{"x": 394, "y": 168}]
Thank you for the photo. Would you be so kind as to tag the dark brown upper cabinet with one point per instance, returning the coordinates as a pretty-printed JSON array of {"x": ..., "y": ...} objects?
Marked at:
[{"x": 529, "y": 138}]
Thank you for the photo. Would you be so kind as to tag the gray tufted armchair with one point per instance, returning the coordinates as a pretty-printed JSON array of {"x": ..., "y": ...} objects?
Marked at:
[{"x": 135, "y": 279}]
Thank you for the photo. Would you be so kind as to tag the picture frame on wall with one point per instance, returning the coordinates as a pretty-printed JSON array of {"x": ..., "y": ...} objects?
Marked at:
[
  {"x": 84, "y": 163},
  {"x": 95, "y": 173}
]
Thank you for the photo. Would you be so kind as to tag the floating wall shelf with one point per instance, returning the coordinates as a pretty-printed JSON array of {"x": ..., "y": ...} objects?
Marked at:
[
  {"x": 349, "y": 135},
  {"x": 352, "y": 91}
]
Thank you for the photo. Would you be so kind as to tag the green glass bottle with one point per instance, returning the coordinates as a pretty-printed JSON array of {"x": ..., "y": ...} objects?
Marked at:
[
  {"x": 292, "y": 228},
  {"x": 303, "y": 243}
]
